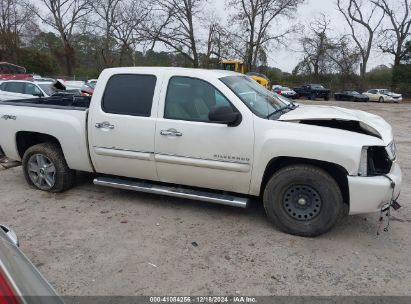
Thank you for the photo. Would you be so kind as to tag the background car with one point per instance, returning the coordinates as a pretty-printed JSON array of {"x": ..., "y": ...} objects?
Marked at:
[
  {"x": 351, "y": 96},
  {"x": 395, "y": 96},
  {"x": 379, "y": 95},
  {"x": 92, "y": 81},
  {"x": 22, "y": 89},
  {"x": 313, "y": 91},
  {"x": 88, "y": 89},
  {"x": 286, "y": 92}
]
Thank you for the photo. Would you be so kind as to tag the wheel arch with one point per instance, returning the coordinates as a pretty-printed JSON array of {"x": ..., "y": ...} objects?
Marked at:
[
  {"x": 339, "y": 173},
  {"x": 27, "y": 139}
]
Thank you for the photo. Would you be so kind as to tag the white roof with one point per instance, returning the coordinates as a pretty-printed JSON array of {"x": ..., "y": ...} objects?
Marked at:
[{"x": 193, "y": 72}]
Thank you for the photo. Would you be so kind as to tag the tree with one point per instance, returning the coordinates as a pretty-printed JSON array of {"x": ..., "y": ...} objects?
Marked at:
[
  {"x": 407, "y": 56},
  {"x": 218, "y": 44},
  {"x": 129, "y": 28},
  {"x": 174, "y": 26},
  {"x": 13, "y": 18},
  {"x": 64, "y": 16},
  {"x": 361, "y": 25},
  {"x": 254, "y": 18},
  {"x": 107, "y": 12},
  {"x": 315, "y": 47},
  {"x": 395, "y": 36},
  {"x": 345, "y": 59}
]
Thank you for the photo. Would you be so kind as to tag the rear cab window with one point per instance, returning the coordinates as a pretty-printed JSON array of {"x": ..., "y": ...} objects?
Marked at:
[{"x": 129, "y": 94}]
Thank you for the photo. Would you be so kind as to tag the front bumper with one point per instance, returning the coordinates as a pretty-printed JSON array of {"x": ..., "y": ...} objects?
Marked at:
[{"x": 370, "y": 194}]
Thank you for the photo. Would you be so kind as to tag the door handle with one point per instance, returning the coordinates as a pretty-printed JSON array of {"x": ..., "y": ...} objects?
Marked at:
[
  {"x": 104, "y": 125},
  {"x": 171, "y": 132}
]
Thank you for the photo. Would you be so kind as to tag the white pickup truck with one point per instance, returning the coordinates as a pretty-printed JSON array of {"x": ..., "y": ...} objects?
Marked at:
[{"x": 213, "y": 136}]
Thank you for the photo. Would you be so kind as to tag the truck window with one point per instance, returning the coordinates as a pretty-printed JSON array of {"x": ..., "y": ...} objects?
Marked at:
[
  {"x": 129, "y": 94},
  {"x": 192, "y": 99}
]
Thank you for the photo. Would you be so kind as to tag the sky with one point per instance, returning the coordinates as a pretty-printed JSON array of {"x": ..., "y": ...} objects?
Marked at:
[{"x": 286, "y": 58}]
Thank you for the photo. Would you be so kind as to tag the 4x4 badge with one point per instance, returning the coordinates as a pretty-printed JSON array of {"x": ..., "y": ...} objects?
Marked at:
[{"x": 7, "y": 117}]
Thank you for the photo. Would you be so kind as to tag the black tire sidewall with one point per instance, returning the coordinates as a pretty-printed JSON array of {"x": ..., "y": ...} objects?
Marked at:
[{"x": 324, "y": 184}]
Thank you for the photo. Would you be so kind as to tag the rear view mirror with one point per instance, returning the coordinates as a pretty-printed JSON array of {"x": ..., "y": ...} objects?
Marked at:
[
  {"x": 225, "y": 115},
  {"x": 11, "y": 235},
  {"x": 38, "y": 95}
]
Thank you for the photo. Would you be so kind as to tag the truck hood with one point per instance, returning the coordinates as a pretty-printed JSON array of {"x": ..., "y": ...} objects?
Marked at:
[{"x": 341, "y": 118}]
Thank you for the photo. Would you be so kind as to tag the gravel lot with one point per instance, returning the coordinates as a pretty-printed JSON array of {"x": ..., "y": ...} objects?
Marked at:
[{"x": 98, "y": 241}]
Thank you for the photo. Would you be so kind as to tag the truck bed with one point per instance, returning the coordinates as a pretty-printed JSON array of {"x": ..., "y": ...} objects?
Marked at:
[
  {"x": 79, "y": 103},
  {"x": 63, "y": 117}
]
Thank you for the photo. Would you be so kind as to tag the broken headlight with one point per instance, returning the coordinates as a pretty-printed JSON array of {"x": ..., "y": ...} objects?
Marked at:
[
  {"x": 363, "y": 169},
  {"x": 392, "y": 150},
  {"x": 374, "y": 161}
]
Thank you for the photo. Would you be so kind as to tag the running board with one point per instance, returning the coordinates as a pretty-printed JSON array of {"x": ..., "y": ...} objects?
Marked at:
[{"x": 223, "y": 199}]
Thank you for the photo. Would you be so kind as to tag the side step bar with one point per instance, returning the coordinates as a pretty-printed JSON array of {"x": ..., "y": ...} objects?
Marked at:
[{"x": 204, "y": 196}]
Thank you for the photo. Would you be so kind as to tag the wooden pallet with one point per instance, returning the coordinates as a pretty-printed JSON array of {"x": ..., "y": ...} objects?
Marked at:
[{"x": 6, "y": 163}]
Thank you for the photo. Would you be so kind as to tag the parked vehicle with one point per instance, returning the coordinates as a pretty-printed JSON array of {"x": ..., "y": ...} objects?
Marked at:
[
  {"x": 260, "y": 78},
  {"x": 313, "y": 91},
  {"x": 239, "y": 67},
  {"x": 20, "y": 281},
  {"x": 92, "y": 81},
  {"x": 214, "y": 136},
  {"x": 381, "y": 95},
  {"x": 73, "y": 84},
  {"x": 351, "y": 96},
  {"x": 286, "y": 92},
  {"x": 20, "y": 89},
  {"x": 88, "y": 89},
  {"x": 396, "y": 97}
]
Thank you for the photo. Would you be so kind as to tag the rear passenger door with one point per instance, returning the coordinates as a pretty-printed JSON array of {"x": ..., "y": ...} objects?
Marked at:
[{"x": 122, "y": 126}]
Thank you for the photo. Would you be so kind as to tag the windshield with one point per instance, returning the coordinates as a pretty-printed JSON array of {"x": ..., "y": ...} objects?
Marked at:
[
  {"x": 317, "y": 86},
  {"x": 48, "y": 88},
  {"x": 261, "y": 101}
]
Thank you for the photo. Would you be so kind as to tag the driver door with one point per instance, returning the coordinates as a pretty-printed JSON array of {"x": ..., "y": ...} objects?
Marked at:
[{"x": 191, "y": 150}]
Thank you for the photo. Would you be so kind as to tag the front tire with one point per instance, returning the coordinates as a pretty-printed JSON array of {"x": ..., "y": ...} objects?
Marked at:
[
  {"x": 381, "y": 100},
  {"x": 45, "y": 168},
  {"x": 303, "y": 200}
]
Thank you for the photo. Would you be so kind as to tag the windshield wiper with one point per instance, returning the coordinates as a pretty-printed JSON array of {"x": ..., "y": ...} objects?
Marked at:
[{"x": 290, "y": 106}]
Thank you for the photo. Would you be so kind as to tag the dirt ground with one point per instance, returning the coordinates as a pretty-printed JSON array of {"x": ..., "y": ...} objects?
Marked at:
[{"x": 98, "y": 241}]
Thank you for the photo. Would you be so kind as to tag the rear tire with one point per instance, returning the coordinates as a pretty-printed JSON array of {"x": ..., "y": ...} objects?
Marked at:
[
  {"x": 303, "y": 200},
  {"x": 381, "y": 100},
  {"x": 45, "y": 168}
]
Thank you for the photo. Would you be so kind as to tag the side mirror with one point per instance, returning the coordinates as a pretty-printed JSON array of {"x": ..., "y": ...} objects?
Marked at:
[
  {"x": 38, "y": 95},
  {"x": 10, "y": 234},
  {"x": 225, "y": 115}
]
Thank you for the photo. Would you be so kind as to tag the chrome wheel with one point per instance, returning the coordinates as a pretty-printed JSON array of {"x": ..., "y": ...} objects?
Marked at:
[
  {"x": 302, "y": 202},
  {"x": 42, "y": 172}
]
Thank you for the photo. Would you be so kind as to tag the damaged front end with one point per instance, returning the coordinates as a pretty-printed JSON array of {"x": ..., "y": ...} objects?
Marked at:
[{"x": 347, "y": 125}]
